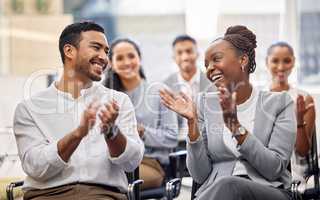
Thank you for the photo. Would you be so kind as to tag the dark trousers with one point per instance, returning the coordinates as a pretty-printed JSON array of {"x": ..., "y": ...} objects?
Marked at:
[
  {"x": 239, "y": 188},
  {"x": 74, "y": 192}
]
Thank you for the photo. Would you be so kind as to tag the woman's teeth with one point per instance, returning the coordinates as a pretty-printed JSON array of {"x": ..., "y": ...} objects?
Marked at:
[{"x": 215, "y": 78}]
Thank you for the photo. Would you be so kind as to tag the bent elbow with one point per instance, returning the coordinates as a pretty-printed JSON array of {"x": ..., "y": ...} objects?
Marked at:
[{"x": 37, "y": 173}]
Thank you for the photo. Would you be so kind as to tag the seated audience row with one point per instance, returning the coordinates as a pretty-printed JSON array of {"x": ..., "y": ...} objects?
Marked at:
[{"x": 77, "y": 138}]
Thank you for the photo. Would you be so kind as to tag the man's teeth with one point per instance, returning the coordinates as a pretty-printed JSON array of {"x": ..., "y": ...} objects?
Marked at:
[{"x": 97, "y": 65}]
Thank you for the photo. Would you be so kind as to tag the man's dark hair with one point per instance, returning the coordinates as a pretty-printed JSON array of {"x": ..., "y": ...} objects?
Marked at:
[
  {"x": 182, "y": 38},
  {"x": 72, "y": 34}
]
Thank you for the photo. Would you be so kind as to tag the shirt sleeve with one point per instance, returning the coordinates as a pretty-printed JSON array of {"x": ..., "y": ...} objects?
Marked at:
[
  {"x": 39, "y": 157},
  {"x": 130, "y": 159},
  {"x": 198, "y": 161}
]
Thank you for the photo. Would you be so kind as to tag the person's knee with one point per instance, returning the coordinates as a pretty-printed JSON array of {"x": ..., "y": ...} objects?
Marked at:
[
  {"x": 151, "y": 177},
  {"x": 226, "y": 181},
  {"x": 152, "y": 182},
  {"x": 229, "y": 186}
]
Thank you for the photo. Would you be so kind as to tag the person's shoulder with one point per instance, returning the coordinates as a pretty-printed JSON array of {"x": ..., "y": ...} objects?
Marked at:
[
  {"x": 173, "y": 77},
  {"x": 275, "y": 99},
  {"x": 300, "y": 91},
  {"x": 273, "y": 96},
  {"x": 41, "y": 96},
  {"x": 38, "y": 100},
  {"x": 117, "y": 95},
  {"x": 46, "y": 92},
  {"x": 155, "y": 87},
  {"x": 308, "y": 98}
]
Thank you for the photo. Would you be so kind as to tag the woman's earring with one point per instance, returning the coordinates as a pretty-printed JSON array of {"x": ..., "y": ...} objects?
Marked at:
[{"x": 242, "y": 68}]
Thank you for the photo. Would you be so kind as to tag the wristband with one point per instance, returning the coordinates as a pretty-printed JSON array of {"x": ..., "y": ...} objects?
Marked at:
[{"x": 111, "y": 132}]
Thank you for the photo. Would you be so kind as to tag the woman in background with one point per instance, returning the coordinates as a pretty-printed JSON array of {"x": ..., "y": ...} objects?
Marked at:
[
  {"x": 156, "y": 124},
  {"x": 280, "y": 62}
]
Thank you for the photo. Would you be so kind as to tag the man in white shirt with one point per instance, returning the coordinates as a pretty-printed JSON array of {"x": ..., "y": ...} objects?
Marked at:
[
  {"x": 76, "y": 139},
  {"x": 189, "y": 79}
]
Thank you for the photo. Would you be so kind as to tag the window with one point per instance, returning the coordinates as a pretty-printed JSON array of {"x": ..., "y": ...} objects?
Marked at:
[{"x": 309, "y": 42}]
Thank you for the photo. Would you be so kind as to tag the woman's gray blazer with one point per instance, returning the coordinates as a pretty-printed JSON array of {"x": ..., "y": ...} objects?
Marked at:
[{"x": 265, "y": 153}]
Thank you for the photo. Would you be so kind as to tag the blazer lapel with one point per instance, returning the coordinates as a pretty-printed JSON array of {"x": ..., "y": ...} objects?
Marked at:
[{"x": 214, "y": 128}]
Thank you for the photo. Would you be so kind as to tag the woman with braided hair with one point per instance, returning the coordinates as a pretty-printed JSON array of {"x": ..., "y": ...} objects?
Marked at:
[{"x": 240, "y": 140}]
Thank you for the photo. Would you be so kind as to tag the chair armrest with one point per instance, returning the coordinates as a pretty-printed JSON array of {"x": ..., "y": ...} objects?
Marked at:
[
  {"x": 173, "y": 188},
  {"x": 294, "y": 189},
  {"x": 134, "y": 190},
  {"x": 10, "y": 187},
  {"x": 178, "y": 154}
]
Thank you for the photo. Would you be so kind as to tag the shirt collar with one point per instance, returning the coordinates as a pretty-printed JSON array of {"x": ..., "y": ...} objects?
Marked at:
[
  {"x": 194, "y": 80},
  {"x": 249, "y": 101},
  {"x": 83, "y": 92}
]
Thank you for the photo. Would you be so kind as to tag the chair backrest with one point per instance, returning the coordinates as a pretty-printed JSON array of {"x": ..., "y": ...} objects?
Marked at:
[
  {"x": 312, "y": 160},
  {"x": 313, "y": 170}
]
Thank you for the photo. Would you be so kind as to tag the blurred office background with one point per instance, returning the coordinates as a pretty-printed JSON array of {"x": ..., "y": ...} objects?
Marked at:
[{"x": 29, "y": 31}]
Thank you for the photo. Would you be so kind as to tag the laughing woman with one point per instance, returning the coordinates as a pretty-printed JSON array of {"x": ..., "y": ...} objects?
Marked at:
[
  {"x": 241, "y": 139},
  {"x": 156, "y": 124}
]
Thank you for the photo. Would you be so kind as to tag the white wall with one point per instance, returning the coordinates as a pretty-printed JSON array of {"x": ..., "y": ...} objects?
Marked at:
[
  {"x": 13, "y": 90},
  {"x": 149, "y": 7}
]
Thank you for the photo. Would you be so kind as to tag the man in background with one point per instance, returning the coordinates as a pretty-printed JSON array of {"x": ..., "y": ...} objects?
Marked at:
[{"x": 189, "y": 79}]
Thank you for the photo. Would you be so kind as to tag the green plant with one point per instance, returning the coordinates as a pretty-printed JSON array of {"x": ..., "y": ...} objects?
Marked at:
[
  {"x": 42, "y": 6},
  {"x": 17, "y": 6}
]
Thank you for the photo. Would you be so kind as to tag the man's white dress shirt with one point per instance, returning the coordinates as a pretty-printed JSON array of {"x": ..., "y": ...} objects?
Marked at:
[{"x": 41, "y": 121}]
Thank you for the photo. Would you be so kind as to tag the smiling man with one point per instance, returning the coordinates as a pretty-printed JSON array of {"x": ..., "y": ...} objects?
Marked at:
[
  {"x": 189, "y": 79},
  {"x": 77, "y": 138}
]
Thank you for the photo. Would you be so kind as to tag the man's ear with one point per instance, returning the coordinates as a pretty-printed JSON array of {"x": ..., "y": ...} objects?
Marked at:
[{"x": 69, "y": 51}]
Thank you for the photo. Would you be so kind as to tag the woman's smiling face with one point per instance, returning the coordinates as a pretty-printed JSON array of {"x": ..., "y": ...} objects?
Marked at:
[
  {"x": 125, "y": 60},
  {"x": 280, "y": 63},
  {"x": 223, "y": 64}
]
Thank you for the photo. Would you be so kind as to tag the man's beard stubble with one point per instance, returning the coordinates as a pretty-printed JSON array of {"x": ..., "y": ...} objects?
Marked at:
[{"x": 83, "y": 67}]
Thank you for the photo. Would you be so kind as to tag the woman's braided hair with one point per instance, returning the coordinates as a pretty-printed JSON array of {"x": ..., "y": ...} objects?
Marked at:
[{"x": 244, "y": 42}]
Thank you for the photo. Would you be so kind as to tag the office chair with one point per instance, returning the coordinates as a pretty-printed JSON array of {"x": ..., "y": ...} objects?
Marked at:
[
  {"x": 170, "y": 189},
  {"x": 313, "y": 170},
  {"x": 172, "y": 183}
]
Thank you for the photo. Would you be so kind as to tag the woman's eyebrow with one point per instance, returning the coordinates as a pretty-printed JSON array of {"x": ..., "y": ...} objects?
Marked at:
[{"x": 216, "y": 53}]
